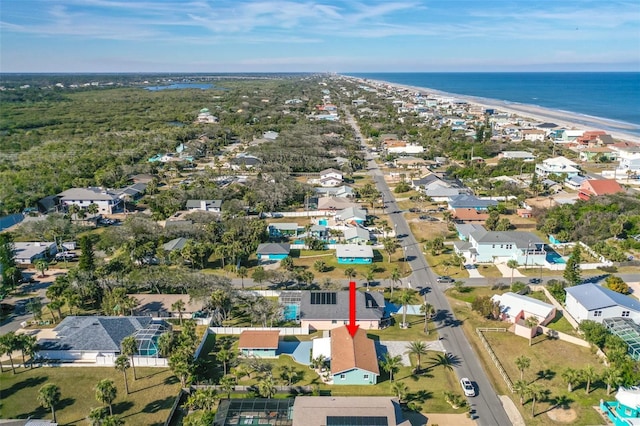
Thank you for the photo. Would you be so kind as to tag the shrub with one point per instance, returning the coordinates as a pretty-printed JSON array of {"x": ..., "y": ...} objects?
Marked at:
[{"x": 519, "y": 287}]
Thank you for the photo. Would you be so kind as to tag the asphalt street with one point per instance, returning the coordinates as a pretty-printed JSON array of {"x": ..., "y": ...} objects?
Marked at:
[{"x": 488, "y": 409}]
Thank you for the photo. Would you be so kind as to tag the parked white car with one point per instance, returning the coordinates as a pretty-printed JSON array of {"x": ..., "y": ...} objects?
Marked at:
[{"x": 467, "y": 387}]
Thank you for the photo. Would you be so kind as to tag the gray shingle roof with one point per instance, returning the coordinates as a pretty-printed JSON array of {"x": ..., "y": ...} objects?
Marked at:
[
  {"x": 93, "y": 333},
  {"x": 340, "y": 311},
  {"x": 274, "y": 248},
  {"x": 175, "y": 244},
  {"x": 470, "y": 201},
  {"x": 87, "y": 194},
  {"x": 593, "y": 296}
]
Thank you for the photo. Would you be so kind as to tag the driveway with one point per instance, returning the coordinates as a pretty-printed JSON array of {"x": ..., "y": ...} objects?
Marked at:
[
  {"x": 399, "y": 347},
  {"x": 506, "y": 271}
]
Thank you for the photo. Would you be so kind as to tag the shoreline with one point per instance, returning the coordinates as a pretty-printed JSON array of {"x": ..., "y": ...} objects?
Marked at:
[{"x": 564, "y": 119}]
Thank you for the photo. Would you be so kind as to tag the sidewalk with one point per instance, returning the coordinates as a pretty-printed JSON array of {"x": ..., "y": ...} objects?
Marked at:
[{"x": 512, "y": 411}]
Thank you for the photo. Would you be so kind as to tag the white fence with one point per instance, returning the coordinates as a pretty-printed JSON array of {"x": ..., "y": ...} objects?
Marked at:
[{"x": 284, "y": 331}]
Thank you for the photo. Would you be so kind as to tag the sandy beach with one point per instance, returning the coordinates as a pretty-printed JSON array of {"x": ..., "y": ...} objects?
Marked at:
[{"x": 564, "y": 119}]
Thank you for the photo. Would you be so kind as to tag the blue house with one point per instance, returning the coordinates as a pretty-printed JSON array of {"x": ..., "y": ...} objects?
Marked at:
[
  {"x": 625, "y": 410},
  {"x": 259, "y": 343},
  {"x": 501, "y": 246},
  {"x": 466, "y": 201},
  {"x": 354, "y": 254},
  {"x": 353, "y": 359},
  {"x": 273, "y": 251},
  {"x": 288, "y": 229}
]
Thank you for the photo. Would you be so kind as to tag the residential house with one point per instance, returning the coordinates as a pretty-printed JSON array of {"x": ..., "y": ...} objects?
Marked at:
[
  {"x": 567, "y": 135},
  {"x": 107, "y": 201},
  {"x": 410, "y": 162},
  {"x": 517, "y": 155},
  {"x": 440, "y": 191},
  {"x": 333, "y": 204},
  {"x": 340, "y": 191},
  {"x": 598, "y": 153},
  {"x": 466, "y": 229},
  {"x": 470, "y": 216},
  {"x": 518, "y": 308},
  {"x": 420, "y": 183},
  {"x": 629, "y": 157},
  {"x": 353, "y": 359},
  {"x": 593, "y": 188},
  {"x": 176, "y": 244},
  {"x": 285, "y": 229},
  {"x": 331, "y": 173},
  {"x": 557, "y": 166},
  {"x": 214, "y": 206},
  {"x": 406, "y": 149},
  {"x": 533, "y": 135},
  {"x": 244, "y": 161},
  {"x": 161, "y": 305},
  {"x": 597, "y": 303},
  {"x": 259, "y": 343},
  {"x": 205, "y": 117},
  {"x": 352, "y": 215},
  {"x": 589, "y": 137},
  {"x": 98, "y": 338},
  {"x": 356, "y": 235},
  {"x": 467, "y": 201},
  {"x": 525, "y": 213},
  {"x": 574, "y": 182},
  {"x": 356, "y": 410},
  {"x": 273, "y": 251},
  {"x": 318, "y": 231},
  {"x": 326, "y": 310},
  {"x": 354, "y": 254},
  {"x": 501, "y": 246},
  {"x": 28, "y": 253},
  {"x": 625, "y": 410}
]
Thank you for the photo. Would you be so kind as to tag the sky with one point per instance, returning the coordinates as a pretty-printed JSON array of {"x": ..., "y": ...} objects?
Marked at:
[{"x": 318, "y": 35}]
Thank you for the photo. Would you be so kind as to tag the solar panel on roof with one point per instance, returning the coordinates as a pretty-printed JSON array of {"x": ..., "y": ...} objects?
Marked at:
[
  {"x": 323, "y": 298},
  {"x": 357, "y": 421}
]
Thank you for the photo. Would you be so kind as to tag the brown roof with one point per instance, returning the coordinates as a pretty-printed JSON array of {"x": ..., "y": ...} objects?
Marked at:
[
  {"x": 259, "y": 339},
  {"x": 469, "y": 214},
  {"x": 601, "y": 186},
  {"x": 348, "y": 353}
]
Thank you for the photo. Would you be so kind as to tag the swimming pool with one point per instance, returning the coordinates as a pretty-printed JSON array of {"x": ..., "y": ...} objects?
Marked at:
[
  {"x": 291, "y": 312},
  {"x": 553, "y": 257},
  {"x": 323, "y": 222}
]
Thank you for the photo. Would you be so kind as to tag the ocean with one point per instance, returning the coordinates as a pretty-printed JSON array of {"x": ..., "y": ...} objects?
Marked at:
[{"x": 608, "y": 95}]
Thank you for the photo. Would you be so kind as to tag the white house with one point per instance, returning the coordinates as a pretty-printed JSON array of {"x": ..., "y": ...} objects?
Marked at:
[
  {"x": 331, "y": 173},
  {"x": 28, "y": 253},
  {"x": 596, "y": 303},
  {"x": 516, "y": 307},
  {"x": 517, "y": 155},
  {"x": 407, "y": 149},
  {"x": 214, "y": 206},
  {"x": 106, "y": 201},
  {"x": 558, "y": 166},
  {"x": 501, "y": 246},
  {"x": 533, "y": 134}
]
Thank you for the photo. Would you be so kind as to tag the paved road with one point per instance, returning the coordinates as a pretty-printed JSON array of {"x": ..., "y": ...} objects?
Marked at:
[{"x": 487, "y": 405}]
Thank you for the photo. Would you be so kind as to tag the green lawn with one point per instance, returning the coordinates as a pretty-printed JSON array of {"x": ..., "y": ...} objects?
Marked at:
[
  {"x": 561, "y": 324},
  {"x": 413, "y": 333},
  {"x": 151, "y": 398}
]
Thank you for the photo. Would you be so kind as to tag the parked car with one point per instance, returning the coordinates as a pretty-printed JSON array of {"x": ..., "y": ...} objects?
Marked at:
[
  {"x": 535, "y": 281},
  {"x": 414, "y": 210},
  {"x": 445, "y": 279},
  {"x": 428, "y": 218},
  {"x": 467, "y": 387},
  {"x": 66, "y": 255}
]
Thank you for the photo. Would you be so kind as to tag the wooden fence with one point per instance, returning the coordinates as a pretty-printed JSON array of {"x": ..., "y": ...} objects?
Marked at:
[{"x": 493, "y": 356}]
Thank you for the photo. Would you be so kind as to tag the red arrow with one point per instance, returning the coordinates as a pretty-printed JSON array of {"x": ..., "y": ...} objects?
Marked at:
[{"x": 352, "y": 327}]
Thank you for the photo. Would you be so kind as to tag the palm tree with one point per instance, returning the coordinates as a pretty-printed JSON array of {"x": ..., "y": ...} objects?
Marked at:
[
  {"x": 97, "y": 415},
  {"x": 390, "y": 245},
  {"x": 73, "y": 209},
  {"x": 41, "y": 265},
  {"x": 129, "y": 347},
  {"x": 227, "y": 384},
  {"x": 589, "y": 375},
  {"x": 123, "y": 364},
  {"x": 178, "y": 306},
  {"x": 49, "y": 397},
  {"x": 406, "y": 297},
  {"x": 611, "y": 377},
  {"x": 350, "y": 273},
  {"x": 266, "y": 387},
  {"x": 536, "y": 393},
  {"x": 9, "y": 343},
  {"x": 512, "y": 264},
  {"x": 395, "y": 277},
  {"x": 112, "y": 421},
  {"x": 418, "y": 349},
  {"x": 445, "y": 360},
  {"x": 93, "y": 208},
  {"x": 224, "y": 355},
  {"x": 429, "y": 311},
  {"x": 369, "y": 275},
  {"x": 520, "y": 387},
  {"x": 400, "y": 389},
  {"x": 166, "y": 342},
  {"x": 522, "y": 363},
  {"x": 106, "y": 392},
  {"x": 28, "y": 346},
  {"x": 242, "y": 273},
  {"x": 288, "y": 373},
  {"x": 570, "y": 377},
  {"x": 531, "y": 322},
  {"x": 391, "y": 364}
]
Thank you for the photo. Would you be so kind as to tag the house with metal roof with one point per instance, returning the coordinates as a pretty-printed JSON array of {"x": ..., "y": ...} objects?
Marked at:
[
  {"x": 597, "y": 303},
  {"x": 353, "y": 359},
  {"x": 354, "y": 254},
  {"x": 214, "y": 206},
  {"x": 26, "y": 253},
  {"x": 501, "y": 246},
  {"x": 517, "y": 307},
  {"x": 326, "y": 310}
]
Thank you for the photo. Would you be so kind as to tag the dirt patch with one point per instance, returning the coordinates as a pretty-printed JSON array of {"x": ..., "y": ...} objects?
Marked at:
[{"x": 562, "y": 415}]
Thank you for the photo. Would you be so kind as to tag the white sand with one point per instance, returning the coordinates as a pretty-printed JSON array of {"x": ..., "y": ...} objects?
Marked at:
[{"x": 564, "y": 119}]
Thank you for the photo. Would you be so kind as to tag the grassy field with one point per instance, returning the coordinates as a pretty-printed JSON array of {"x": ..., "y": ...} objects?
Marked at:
[
  {"x": 413, "y": 333},
  {"x": 549, "y": 358},
  {"x": 151, "y": 398},
  {"x": 436, "y": 264}
]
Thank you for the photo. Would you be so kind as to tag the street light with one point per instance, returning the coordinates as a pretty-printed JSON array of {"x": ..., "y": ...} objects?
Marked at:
[
  {"x": 404, "y": 265},
  {"x": 526, "y": 259}
]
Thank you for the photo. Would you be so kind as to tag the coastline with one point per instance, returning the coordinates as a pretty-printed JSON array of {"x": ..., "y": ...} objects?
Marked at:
[{"x": 564, "y": 119}]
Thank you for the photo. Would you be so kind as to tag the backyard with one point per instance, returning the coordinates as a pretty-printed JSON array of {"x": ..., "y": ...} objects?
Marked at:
[{"x": 149, "y": 401}]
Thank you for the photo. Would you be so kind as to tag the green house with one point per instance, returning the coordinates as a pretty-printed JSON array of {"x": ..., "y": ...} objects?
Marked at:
[{"x": 259, "y": 343}]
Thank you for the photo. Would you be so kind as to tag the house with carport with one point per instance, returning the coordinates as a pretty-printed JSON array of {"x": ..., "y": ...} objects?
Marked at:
[
  {"x": 259, "y": 343},
  {"x": 353, "y": 359},
  {"x": 597, "y": 303}
]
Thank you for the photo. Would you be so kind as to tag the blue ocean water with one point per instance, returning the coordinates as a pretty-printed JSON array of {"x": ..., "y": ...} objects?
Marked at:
[{"x": 610, "y": 95}]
